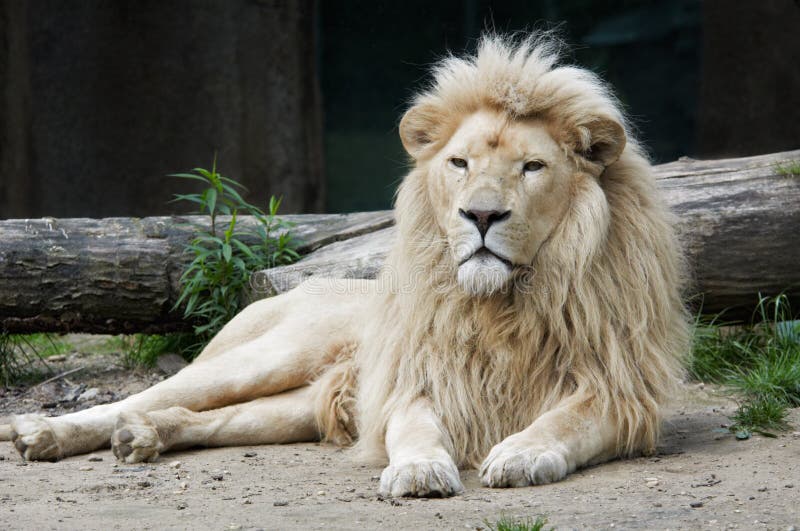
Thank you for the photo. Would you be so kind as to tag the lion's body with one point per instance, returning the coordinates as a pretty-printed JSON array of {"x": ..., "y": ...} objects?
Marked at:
[{"x": 547, "y": 337}]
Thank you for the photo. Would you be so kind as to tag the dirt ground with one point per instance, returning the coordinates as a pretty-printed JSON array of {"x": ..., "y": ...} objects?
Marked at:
[{"x": 701, "y": 478}]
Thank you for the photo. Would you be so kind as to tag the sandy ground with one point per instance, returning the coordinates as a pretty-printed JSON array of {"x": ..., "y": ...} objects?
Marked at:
[{"x": 702, "y": 478}]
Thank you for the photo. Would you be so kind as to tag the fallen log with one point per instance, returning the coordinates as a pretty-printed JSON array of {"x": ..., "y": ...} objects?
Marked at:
[
  {"x": 737, "y": 217},
  {"x": 120, "y": 275}
]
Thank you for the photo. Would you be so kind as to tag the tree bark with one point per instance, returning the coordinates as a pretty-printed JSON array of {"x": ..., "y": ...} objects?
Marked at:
[{"x": 738, "y": 219}]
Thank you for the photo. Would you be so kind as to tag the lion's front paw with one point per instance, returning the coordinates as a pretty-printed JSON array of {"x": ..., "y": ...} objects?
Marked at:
[
  {"x": 34, "y": 438},
  {"x": 426, "y": 478},
  {"x": 135, "y": 439},
  {"x": 515, "y": 463}
]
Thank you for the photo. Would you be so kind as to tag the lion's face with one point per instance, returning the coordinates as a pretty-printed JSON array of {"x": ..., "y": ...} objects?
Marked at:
[{"x": 499, "y": 187}]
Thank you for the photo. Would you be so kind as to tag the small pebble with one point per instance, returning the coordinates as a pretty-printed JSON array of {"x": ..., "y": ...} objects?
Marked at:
[
  {"x": 95, "y": 459},
  {"x": 89, "y": 394},
  {"x": 321, "y": 493},
  {"x": 143, "y": 484},
  {"x": 280, "y": 503},
  {"x": 85, "y": 468},
  {"x": 250, "y": 454},
  {"x": 696, "y": 504},
  {"x": 175, "y": 464},
  {"x": 216, "y": 477},
  {"x": 182, "y": 506}
]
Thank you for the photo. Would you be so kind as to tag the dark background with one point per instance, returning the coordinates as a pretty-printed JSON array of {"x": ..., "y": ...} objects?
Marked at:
[{"x": 102, "y": 98}]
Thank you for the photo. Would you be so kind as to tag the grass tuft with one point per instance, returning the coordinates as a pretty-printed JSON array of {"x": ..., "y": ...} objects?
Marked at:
[
  {"x": 758, "y": 362},
  {"x": 762, "y": 414},
  {"x": 789, "y": 168},
  {"x": 506, "y": 523},
  {"x": 23, "y": 357},
  {"x": 142, "y": 350}
]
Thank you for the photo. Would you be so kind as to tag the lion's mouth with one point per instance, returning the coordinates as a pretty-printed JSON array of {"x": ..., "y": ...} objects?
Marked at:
[{"x": 485, "y": 252}]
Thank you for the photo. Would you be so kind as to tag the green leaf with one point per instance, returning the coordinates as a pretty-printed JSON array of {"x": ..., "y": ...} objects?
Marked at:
[
  {"x": 232, "y": 182},
  {"x": 236, "y": 197},
  {"x": 189, "y": 176},
  {"x": 194, "y": 198},
  {"x": 211, "y": 200},
  {"x": 226, "y": 252},
  {"x": 244, "y": 248}
]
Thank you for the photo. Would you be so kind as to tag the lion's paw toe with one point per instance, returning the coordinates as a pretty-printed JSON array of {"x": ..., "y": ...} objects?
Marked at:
[
  {"x": 425, "y": 479},
  {"x": 135, "y": 439},
  {"x": 34, "y": 438},
  {"x": 511, "y": 465}
]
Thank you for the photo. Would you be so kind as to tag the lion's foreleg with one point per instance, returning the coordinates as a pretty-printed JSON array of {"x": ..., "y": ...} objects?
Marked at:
[
  {"x": 419, "y": 463},
  {"x": 282, "y": 418},
  {"x": 563, "y": 439}
]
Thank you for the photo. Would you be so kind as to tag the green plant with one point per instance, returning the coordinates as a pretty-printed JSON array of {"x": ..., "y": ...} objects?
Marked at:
[
  {"x": 506, "y": 523},
  {"x": 142, "y": 350},
  {"x": 759, "y": 362},
  {"x": 214, "y": 282},
  {"x": 23, "y": 357},
  {"x": 789, "y": 168}
]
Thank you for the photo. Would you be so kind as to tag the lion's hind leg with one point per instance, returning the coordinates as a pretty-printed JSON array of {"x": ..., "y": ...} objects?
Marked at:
[{"x": 287, "y": 417}]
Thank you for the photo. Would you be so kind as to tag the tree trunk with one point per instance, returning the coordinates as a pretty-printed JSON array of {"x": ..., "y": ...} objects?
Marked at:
[
  {"x": 737, "y": 217},
  {"x": 99, "y": 99}
]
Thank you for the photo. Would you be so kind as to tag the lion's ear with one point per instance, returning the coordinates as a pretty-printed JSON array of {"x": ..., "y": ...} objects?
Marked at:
[
  {"x": 601, "y": 140},
  {"x": 419, "y": 127}
]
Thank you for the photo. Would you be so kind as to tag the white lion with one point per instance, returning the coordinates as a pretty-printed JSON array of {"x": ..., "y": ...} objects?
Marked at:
[{"x": 528, "y": 320}]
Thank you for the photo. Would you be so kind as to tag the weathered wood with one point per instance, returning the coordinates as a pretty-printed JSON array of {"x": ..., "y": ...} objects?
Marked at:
[
  {"x": 120, "y": 274},
  {"x": 738, "y": 219},
  {"x": 359, "y": 257}
]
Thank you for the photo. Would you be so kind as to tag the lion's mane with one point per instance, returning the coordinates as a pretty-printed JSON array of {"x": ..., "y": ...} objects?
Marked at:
[{"x": 601, "y": 316}]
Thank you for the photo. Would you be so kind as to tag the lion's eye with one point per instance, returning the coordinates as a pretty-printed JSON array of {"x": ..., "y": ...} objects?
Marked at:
[
  {"x": 533, "y": 165},
  {"x": 458, "y": 163}
]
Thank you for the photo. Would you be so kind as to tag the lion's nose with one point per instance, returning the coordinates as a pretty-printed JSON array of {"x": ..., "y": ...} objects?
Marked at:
[{"x": 483, "y": 219}]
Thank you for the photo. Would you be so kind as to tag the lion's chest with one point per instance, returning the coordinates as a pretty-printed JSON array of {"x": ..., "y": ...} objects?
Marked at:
[{"x": 483, "y": 396}]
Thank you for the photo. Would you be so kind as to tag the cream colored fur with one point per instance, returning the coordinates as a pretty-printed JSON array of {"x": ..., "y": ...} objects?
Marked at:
[{"x": 528, "y": 345}]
